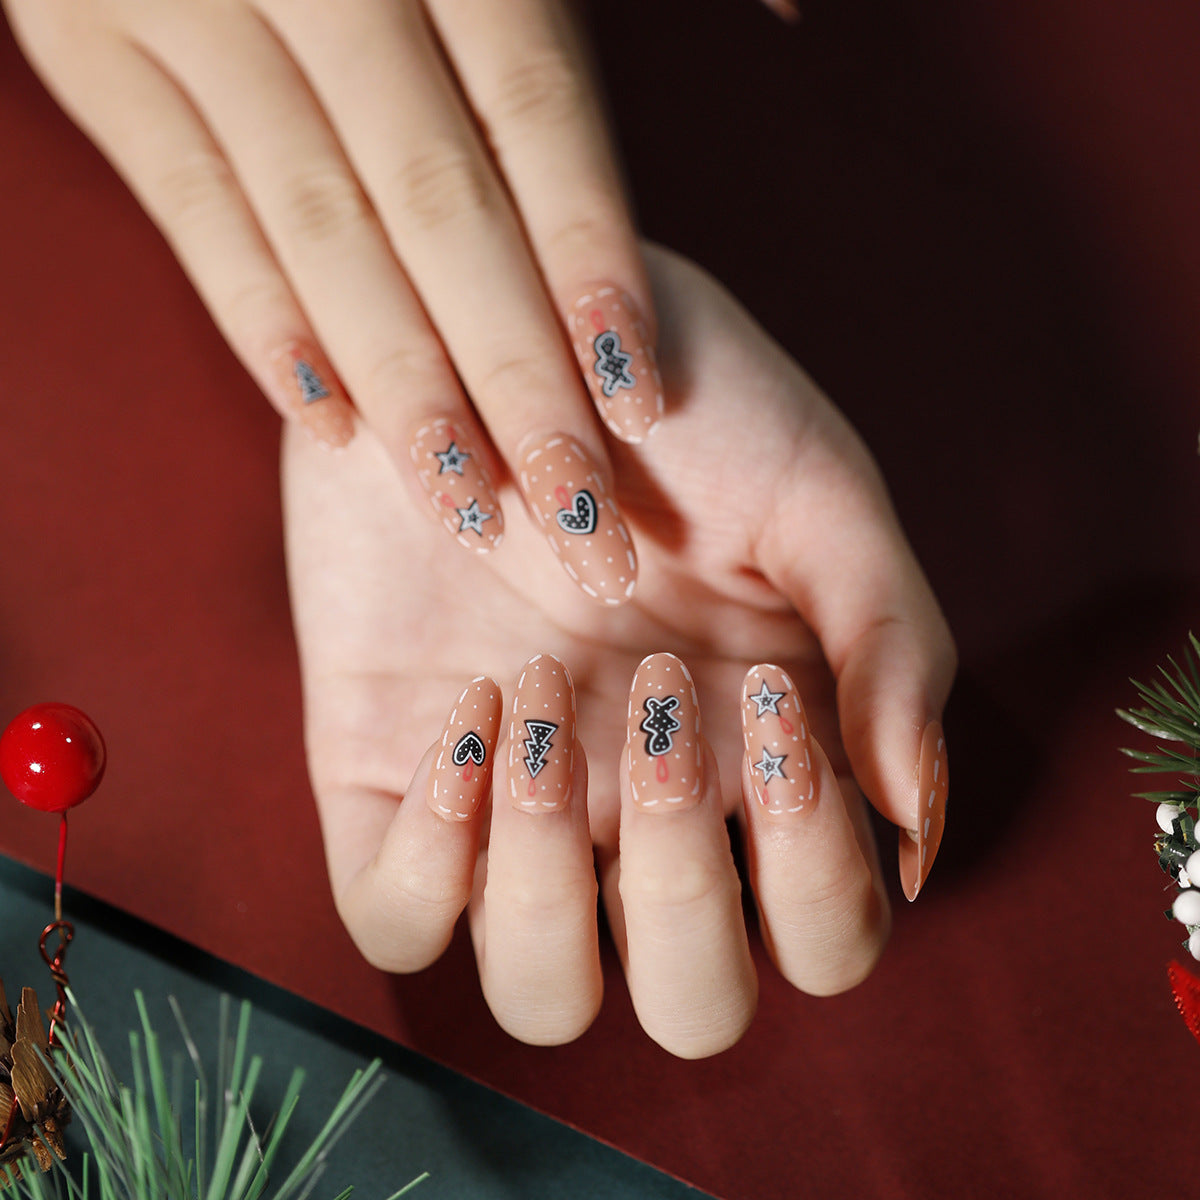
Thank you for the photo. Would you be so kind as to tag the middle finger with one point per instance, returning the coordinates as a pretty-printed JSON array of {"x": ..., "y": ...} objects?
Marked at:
[{"x": 449, "y": 217}]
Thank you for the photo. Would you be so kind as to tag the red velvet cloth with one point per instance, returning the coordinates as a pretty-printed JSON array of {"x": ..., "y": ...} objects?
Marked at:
[{"x": 976, "y": 226}]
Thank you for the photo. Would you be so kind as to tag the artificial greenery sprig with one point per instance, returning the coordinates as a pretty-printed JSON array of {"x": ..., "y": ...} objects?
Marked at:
[
  {"x": 136, "y": 1134},
  {"x": 1170, "y": 713}
]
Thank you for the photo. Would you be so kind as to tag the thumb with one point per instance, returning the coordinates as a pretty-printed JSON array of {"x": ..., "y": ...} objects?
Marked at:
[{"x": 855, "y": 580}]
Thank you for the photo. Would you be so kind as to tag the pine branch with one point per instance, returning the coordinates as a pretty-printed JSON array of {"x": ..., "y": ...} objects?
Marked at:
[
  {"x": 1170, "y": 713},
  {"x": 134, "y": 1133}
]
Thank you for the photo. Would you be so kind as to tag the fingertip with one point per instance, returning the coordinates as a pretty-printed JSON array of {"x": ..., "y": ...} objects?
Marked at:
[
  {"x": 448, "y": 455},
  {"x": 461, "y": 772},
  {"x": 614, "y": 347},
  {"x": 403, "y": 901},
  {"x": 919, "y": 846},
  {"x": 778, "y": 744},
  {"x": 569, "y": 497},
  {"x": 891, "y": 694},
  {"x": 303, "y": 387}
]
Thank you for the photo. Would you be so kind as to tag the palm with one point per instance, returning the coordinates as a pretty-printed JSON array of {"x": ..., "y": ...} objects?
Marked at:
[{"x": 392, "y": 620}]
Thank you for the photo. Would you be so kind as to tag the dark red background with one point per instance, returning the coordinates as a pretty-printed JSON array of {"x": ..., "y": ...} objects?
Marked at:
[{"x": 976, "y": 225}]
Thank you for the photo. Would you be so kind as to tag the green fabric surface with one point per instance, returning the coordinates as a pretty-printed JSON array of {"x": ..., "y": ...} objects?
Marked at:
[{"x": 472, "y": 1141}]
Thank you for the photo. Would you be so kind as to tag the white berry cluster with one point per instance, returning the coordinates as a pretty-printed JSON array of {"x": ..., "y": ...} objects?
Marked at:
[{"x": 1180, "y": 858}]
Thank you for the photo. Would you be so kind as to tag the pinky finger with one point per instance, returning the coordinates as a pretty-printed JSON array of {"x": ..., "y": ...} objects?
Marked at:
[
  {"x": 402, "y": 904},
  {"x": 185, "y": 183},
  {"x": 813, "y": 866}
]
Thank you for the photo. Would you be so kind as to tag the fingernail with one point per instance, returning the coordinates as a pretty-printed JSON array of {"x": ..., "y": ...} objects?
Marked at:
[
  {"x": 541, "y": 738},
  {"x": 614, "y": 352},
  {"x": 311, "y": 391},
  {"x": 775, "y": 729},
  {"x": 663, "y": 733},
  {"x": 457, "y": 483},
  {"x": 579, "y": 518},
  {"x": 933, "y": 782},
  {"x": 462, "y": 770}
]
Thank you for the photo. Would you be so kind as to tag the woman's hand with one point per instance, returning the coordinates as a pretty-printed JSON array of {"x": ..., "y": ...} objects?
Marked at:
[
  {"x": 401, "y": 213},
  {"x": 768, "y": 542}
]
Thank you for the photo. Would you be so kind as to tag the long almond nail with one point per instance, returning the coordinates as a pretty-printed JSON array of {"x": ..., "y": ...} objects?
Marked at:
[
  {"x": 311, "y": 392},
  {"x": 776, "y": 734},
  {"x": 457, "y": 483},
  {"x": 579, "y": 518},
  {"x": 614, "y": 352},
  {"x": 933, "y": 785},
  {"x": 541, "y": 738},
  {"x": 663, "y": 733},
  {"x": 462, "y": 770}
]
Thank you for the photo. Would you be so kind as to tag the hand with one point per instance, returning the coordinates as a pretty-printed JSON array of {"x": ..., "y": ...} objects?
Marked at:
[
  {"x": 413, "y": 203},
  {"x": 767, "y": 537}
]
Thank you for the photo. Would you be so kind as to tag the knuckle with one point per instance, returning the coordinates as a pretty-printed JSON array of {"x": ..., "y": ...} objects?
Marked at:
[
  {"x": 559, "y": 904},
  {"x": 250, "y": 302},
  {"x": 685, "y": 887},
  {"x": 192, "y": 190},
  {"x": 322, "y": 203},
  {"x": 513, "y": 380},
  {"x": 835, "y": 898},
  {"x": 424, "y": 895},
  {"x": 542, "y": 89},
  {"x": 402, "y": 370},
  {"x": 589, "y": 232},
  {"x": 442, "y": 184}
]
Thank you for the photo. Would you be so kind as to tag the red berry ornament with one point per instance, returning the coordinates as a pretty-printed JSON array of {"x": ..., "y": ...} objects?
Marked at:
[{"x": 52, "y": 757}]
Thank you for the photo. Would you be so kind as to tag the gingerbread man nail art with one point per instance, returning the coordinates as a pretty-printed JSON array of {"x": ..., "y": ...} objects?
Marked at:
[
  {"x": 617, "y": 361},
  {"x": 663, "y": 731}
]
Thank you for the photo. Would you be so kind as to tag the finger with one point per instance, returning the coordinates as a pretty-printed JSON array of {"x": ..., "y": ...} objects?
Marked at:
[
  {"x": 822, "y": 907},
  {"x": 687, "y": 958},
  {"x": 525, "y": 73},
  {"x": 449, "y": 219},
  {"x": 336, "y": 258},
  {"x": 882, "y": 633},
  {"x": 185, "y": 183},
  {"x": 535, "y": 927},
  {"x": 402, "y": 875}
]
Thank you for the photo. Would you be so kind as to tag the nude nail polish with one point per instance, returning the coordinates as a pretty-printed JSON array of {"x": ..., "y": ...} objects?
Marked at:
[
  {"x": 457, "y": 483},
  {"x": 776, "y": 735},
  {"x": 579, "y": 518},
  {"x": 311, "y": 392},
  {"x": 663, "y": 736},
  {"x": 613, "y": 347},
  {"x": 933, "y": 783},
  {"x": 462, "y": 770},
  {"x": 541, "y": 737}
]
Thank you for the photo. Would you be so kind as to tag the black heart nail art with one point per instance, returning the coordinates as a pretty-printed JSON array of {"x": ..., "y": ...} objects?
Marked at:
[
  {"x": 581, "y": 516},
  {"x": 469, "y": 746}
]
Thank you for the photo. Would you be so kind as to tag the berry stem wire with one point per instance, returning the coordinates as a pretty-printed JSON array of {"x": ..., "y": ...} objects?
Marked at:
[{"x": 59, "y": 871}]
